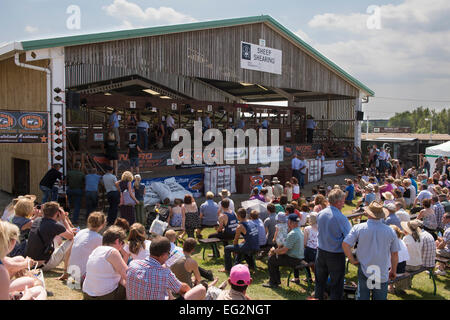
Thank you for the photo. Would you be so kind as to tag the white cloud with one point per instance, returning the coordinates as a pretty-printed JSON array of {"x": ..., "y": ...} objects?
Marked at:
[
  {"x": 300, "y": 33},
  {"x": 31, "y": 29},
  {"x": 132, "y": 15}
]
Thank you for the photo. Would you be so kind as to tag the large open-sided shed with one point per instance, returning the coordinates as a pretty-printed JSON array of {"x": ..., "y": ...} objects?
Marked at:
[{"x": 199, "y": 61}]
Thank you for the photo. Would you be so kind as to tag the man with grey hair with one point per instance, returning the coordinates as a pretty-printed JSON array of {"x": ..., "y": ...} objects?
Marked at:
[
  {"x": 401, "y": 214},
  {"x": 333, "y": 227}
]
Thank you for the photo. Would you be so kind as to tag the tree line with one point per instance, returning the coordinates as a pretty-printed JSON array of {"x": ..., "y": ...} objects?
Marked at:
[{"x": 416, "y": 120}]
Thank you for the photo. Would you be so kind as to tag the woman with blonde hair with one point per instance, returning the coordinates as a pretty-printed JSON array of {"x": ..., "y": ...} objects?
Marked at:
[
  {"x": 111, "y": 150},
  {"x": 23, "y": 288},
  {"x": 127, "y": 197},
  {"x": 23, "y": 210},
  {"x": 138, "y": 246},
  {"x": 139, "y": 192}
]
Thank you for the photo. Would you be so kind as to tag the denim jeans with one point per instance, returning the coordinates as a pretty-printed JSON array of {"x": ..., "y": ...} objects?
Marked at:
[
  {"x": 49, "y": 194},
  {"x": 333, "y": 265},
  {"x": 363, "y": 292},
  {"x": 91, "y": 202},
  {"x": 75, "y": 196},
  {"x": 142, "y": 138},
  {"x": 241, "y": 252},
  {"x": 301, "y": 180},
  {"x": 113, "y": 201}
]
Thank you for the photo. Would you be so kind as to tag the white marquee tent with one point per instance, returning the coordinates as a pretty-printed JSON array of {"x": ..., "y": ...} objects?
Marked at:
[{"x": 432, "y": 153}]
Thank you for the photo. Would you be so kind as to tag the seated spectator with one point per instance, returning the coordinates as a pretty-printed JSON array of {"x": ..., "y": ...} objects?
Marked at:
[
  {"x": 403, "y": 256},
  {"x": 423, "y": 194},
  {"x": 24, "y": 288},
  {"x": 138, "y": 245},
  {"x": 23, "y": 210},
  {"x": 254, "y": 218},
  {"x": 86, "y": 241},
  {"x": 264, "y": 193},
  {"x": 239, "y": 280},
  {"x": 443, "y": 244},
  {"x": 246, "y": 249},
  {"x": 106, "y": 271},
  {"x": 122, "y": 223},
  {"x": 228, "y": 223},
  {"x": 289, "y": 255},
  {"x": 428, "y": 217},
  {"x": 414, "y": 244},
  {"x": 268, "y": 186},
  {"x": 401, "y": 214},
  {"x": 388, "y": 198},
  {"x": 349, "y": 192},
  {"x": 40, "y": 246},
  {"x": 270, "y": 225},
  {"x": 186, "y": 266},
  {"x": 391, "y": 218},
  {"x": 281, "y": 229},
  {"x": 256, "y": 196},
  {"x": 225, "y": 194},
  {"x": 398, "y": 196},
  {"x": 208, "y": 213},
  {"x": 149, "y": 280},
  {"x": 176, "y": 214}
]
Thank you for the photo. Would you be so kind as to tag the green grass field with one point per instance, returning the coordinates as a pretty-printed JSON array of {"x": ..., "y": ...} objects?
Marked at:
[{"x": 422, "y": 287}]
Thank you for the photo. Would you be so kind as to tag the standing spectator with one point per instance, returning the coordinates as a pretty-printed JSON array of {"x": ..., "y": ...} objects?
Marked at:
[
  {"x": 176, "y": 216},
  {"x": 149, "y": 280},
  {"x": 310, "y": 127},
  {"x": 112, "y": 194},
  {"x": 111, "y": 150},
  {"x": 428, "y": 217},
  {"x": 377, "y": 245},
  {"x": 321, "y": 156},
  {"x": 170, "y": 124},
  {"x": 333, "y": 227},
  {"x": 277, "y": 188},
  {"x": 43, "y": 231},
  {"x": 127, "y": 198},
  {"x": 349, "y": 192},
  {"x": 296, "y": 165},
  {"x": 106, "y": 269},
  {"x": 192, "y": 217},
  {"x": 239, "y": 280},
  {"x": 295, "y": 188},
  {"x": 302, "y": 172},
  {"x": 311, "y": 234},
  {"x": 142, "y": 131},
  {"x": 246, "y": 249},
  {"x": 139, "y": 192},
  {"x": 267, "y": 185},
  {"x": 287, "y": 191},
  {"x": 443, "y": 244},
  {"x": 133, "y": 154},
  {"x": 403, "y": 256},
  {"x": 114, "y": 125},
  {"x": 132, "y": 120},
  {"x": 208, "y": 213},
  {"x": 206, "y": 123},
  {"x": 47, "y": 184},
  {"x": 225, "y": 194},
  {"x": 291, "y": 254},
  {"x": 92, "y": 181}
]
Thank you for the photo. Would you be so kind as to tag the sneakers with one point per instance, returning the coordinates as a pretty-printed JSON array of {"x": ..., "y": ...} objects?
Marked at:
[{"x": 440, "y": 272}]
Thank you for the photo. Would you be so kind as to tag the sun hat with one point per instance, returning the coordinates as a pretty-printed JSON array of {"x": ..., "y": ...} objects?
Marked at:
[
  {"x": 391, "y": 207},
  {"x": 376, "y": 210},
  {"x": 281, "y": 217},
  {"x": 370, "y": 187},
  {"x": 225, "y": 193},
  {"x": 240, "y": 275},
  {"x": 410, "y": 226},
  {"x": 388, "y": 195},
  {"x": 293, "y": 217},
  {"x": 275, "y": 180}
]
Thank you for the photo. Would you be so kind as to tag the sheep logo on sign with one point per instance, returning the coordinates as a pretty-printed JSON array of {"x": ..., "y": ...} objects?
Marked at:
[{"x": 246, "y": 51}]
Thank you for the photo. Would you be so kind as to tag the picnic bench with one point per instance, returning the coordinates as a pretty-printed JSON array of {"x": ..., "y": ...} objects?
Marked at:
[
  {"x": 303, "y": 266},
  {"x": 354, "y": 215},
  {"x": 408, "y": 275},
  {"x": 213, "y": 242}
]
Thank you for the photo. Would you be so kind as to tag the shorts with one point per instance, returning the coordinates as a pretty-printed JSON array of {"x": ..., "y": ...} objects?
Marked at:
[{"x": 134, "y": 162}]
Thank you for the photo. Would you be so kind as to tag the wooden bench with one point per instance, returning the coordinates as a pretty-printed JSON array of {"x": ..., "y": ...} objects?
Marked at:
[
  {"x": 443, "y": 260},
  {"x": 407, "y": 275},
  {"x": 213, "y": 242},
  {"x": 355, "y": 215},
  {"x": 303, "y": 266}
]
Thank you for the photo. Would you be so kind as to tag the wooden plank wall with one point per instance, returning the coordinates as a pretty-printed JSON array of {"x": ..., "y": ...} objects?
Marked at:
[
  {"x": 22, "y": 89},
  {"x": 211, "y": 54}
]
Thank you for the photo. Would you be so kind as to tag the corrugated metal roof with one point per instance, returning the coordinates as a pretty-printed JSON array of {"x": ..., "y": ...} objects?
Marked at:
[
  {"x": 153, "y": 31},
  {"x": 398, "y": 136}
]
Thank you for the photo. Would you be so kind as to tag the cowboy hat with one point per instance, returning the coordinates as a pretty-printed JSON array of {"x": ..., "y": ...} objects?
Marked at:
[
  {"x": 225, "y": 193},
  {"x": 410, "y": 226},
  {"x": 275, "y": 180},
  {"x": 376, "y": 210},
  {"x": 388, "y": 195}
]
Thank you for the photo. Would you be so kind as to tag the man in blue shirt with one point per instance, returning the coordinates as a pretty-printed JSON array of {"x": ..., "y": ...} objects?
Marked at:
[
  {"x": 290, "y": 255},
  {"x": 92, "y": 180},
  {"x": 209, "y": 213},
  {"x": 310, "y": 126},
  {"x": 206, "y": 123},
  {"x": 333, "y": 227},
  {"x": 114, "y": 125},
  {"x": 391, "y": 217},
  {"x": 377, "y": 250}
]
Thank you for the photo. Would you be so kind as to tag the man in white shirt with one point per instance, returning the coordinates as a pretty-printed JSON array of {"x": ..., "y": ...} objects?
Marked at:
[
  {"x": 382, "y": 157},
  {"x": 424, "y": 194},
  {"x": 170, "y": 123},
  {"x": 401, "y": 214}
]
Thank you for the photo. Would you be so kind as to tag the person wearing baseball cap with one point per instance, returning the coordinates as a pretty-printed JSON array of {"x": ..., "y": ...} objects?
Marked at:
[
  {"x": 239, "y": 280},
  {"x": 377, "y": 245},
  {"x": 290, "y": 255}
]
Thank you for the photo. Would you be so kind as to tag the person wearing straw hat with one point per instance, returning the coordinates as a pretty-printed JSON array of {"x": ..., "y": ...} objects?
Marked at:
[
  {"x": 388, "y": 197},
  {"x": 414, "y": 243},
  {"x": 377, "y": 245},
  {"x": 277, "y": 187},
  {"x": 225, "y": 194}
]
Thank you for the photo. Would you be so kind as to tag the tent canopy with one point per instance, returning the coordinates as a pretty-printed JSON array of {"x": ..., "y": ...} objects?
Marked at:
[{"x": 432, "y": 153}]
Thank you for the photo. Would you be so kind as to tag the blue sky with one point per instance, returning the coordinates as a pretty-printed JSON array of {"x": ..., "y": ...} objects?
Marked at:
[{"x": 406, "y": 59}]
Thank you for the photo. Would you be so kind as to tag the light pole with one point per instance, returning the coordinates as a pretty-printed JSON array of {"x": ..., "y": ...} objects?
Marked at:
[{"x": 431, "y": 128}]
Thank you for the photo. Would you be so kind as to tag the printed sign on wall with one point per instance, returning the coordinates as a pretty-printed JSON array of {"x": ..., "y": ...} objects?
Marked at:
[
  {"x": 23, "y": 127},
  {"x": 260, "y": 58}
]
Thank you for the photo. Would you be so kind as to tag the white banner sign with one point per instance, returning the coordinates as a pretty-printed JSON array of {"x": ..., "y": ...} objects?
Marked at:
[
  {"x": 259, "y": 58},
  {"x": 329, "y": 167},
  {"x": 314, "y": 170},
  {"x": 235, "y": 154},
  {"x": 265, "y": 154}
]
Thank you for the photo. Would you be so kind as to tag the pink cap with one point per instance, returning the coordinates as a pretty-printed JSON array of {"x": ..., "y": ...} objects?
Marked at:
[{"x": 240, "y": 275}]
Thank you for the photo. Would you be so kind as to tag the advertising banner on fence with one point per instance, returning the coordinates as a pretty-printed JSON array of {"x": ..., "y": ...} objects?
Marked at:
[
  {"x": 329, "y": 167},
  {"x": 266, "y": 154},
  {"x": 147, "y": 160},
  {"x": 23, "y": 127},
  {"x": 314, "y": 170},
  {"x": 192, "y": 183},
  {"x": 259, "y": 58}
]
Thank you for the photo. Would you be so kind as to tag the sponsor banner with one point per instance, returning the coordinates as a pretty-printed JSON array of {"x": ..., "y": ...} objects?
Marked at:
[
  {"x": 192, "y": 183},
  {"x": 258, "y": 58},
  {"x": 256, "y": 181},
  {"x": 329, "y": 167},
  {"x": 147, "y": 160},
  {"x": 314, "y": 170},
  {"x": 23, "y": 127},
  {"x": 266, "y": 154},
  {"x": 339, "y": 164},
  {"x": 306, "y": 150},
  {"x": 235, "y": 154}
]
